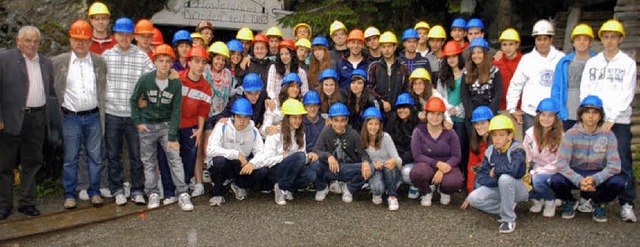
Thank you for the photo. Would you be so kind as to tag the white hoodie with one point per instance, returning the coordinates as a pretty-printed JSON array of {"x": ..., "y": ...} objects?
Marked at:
[
  {"x": 614, "y": 82},
  {"x": 273, "y": 150},
  {"x": 533, "y": 78},
  {"x": 228, "y": 142}
]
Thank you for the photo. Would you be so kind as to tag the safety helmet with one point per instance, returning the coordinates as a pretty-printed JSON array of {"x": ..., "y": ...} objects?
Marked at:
[
  {"x": 501, "y": 122},
  {"x": 481, "y": 113},
  {"x": 198, "y": 36},
  {"x": 359, "y": 73},
  {"x": 422, "y": 24},
  {"x": 459, "y": 22},
  {"x": 371, "y": 31},
  {"x": 81, "y": 29},
  {"x": 163, "y": 49},
  {"x": 451, "y": 48},
  {"x": 592, "y": 101},
  {"x": 509, "y": 34},
  {"x": 320, "y": 41},
  {"x": 202, "y": 25},
  {"x": 328, "y": 73},
  {"x": 124, "y": 25},
  {"x": 437, "y": 32},
  {"x": 435, "y": 104},
  {"x": 219, "y": 47},
  {"x": 420, "y": 73},
  {"x": 338, "y": 109},
  {"x": 548, "y": 104},
  {"x": 356, "y": 34},
  {"x": 612, "y": 25},
  {"x": 543, "y": 27},
  {"x": 157, "y": 39},
  {"x": 335, "y": 26},
  {"x": 260, "y": 38},
  {"x": 274, "y": 31},
  {"x": 235, "y": 45},
  {"x": 303, "y": 43},
  {"x": 252, "y": 82},
  {"x": 311, "y": 98},
  {"x": 98, "y": 8},
  {"x": 372, "y": 112},
  {"x": 244, "y": 34},
  {"x": 479, "y": 42},
  {"x": 295, "y": 28},
  {"x": 197, "y": 51},
  {"x": 388, "y": 37},
  {"x": 292, "y": 107},
  {"x": 582, "y": 29},
  {"x": 291, "y": 77},
  {"x": 405, "y": 99},
  {"x": 410, "y": 33},
  {"x": 242, "y": 106},
  {"x": 181, "y": 35},
  {"x": 144, "y": 26},
  {"x": 287, "y": 43},
  {"x": 475, "y": 23}
]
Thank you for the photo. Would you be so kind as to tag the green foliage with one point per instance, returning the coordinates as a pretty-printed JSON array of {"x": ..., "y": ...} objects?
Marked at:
[
  {"x": 49, "y": 186},
  {"x": 636, "y": 168}
]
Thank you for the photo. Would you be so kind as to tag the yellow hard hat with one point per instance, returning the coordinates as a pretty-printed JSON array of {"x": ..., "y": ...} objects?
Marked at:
[
  {"x": 422, "y": 24},
  {"x": 274, "y": 31},
  {"x": 582, "y": 29},
  {"x": 335, "y": 26},
  {"x": 371, "y": 31},
  {"x": 293, "y": 107},
  {"x": 388, "y": 37},
  {"x": 420, "y": 73},
  {"x": 98, "y": 8},
  {"x": 501, "y": 122},
  {"x": 219, "y": 47},
  {"x": 198, "y": 36},
  {"x": 509, "y": 34},
  {"x": 245, "y": 34},
  {"x": 295, "y": 28},
  {"x": 304, "y": 43},
  {"x": 437, "y": 32},
  {"x": 611, "y": 25}
]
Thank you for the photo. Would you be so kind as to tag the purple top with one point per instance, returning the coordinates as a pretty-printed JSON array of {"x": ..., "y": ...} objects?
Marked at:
[
  {"x": 425, "y": 149},
  {"x": 178, "y": 66}
]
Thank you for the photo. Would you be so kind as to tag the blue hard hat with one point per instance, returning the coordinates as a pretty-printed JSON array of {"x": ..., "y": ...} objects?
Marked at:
[
  {"x": 405, "y": 99},
  {"x": 242, "y": 106},
  {"x": 328, "y": 73},
  {"x": 124, "y": 25},
  {"x": 459, "y": 22},
  {"x": 310, "y": 98},
  {"x": 410, "y": 33},
  {"x": 475, "y": 22},
  {"x": 338, "y": 109},
  {"x": 320, "y": 41},
  {"x": 235, "y": 45},
  {"x": 481, "y": 113},
  {"x": 181, "y": 35},
  {"x": 372, "y": 112},
  {"x": 548, "y": 104},
  {"x": 252, "y": 82},
  {"x": 479, "y": 42},
  {"x": 592, "y": 100},
  {"x": 291, "y": 77},
  {"x": 360, "y": 73}
]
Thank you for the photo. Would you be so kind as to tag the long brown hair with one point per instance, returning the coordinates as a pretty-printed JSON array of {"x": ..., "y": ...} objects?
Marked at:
[
  {"x": 428, "y": 90},
  {"x": 316, "y": 67},
  {"x": 552, "y": 138},
  {"x": 475, "y": 140},
  {"x": 327, "y": 100},
  {"x": 481, "y": 72},
  {"x": 283, "y": 95},
  {"x": 364, "y": 135},
  {"x": 286, "y": 133}
]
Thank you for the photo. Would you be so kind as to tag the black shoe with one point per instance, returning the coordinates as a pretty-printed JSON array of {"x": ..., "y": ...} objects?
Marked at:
[
  {"x": 29, "y": 210},
  {"x": 4, "y": 213}
]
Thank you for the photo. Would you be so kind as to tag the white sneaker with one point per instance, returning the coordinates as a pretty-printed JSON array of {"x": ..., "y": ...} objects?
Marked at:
[
  {"x": 549, "y": 209},
  {"x": 170, "y": 200},
  {"x": 127, "y": 189},
  {"x": 121, "y": 200},
  {"x": 279, "y": 195},
  {"x": 154, "y": 201},
  {"x": 241, "y": 193},
  {"x": 185, "y": 202},
  {"x": 206, "y": 177},
  {"x": 537, "y": 206},
  {"x": 413, "y": 193},
  {"x": 322, "y": 194},
  {"x": 425, "y": 201},
  {"x": 377, "y": 200},
  {"x": 335, "y": 187},
  {"x": 288, "y": 196},
  {"x": 105, "y": 193},
  {"x": 558, "y": 202},
  {"x": 139, "y": 199},
  {"x": 626, "y": 213},
  {"x": 192, "y": 183},
  {"x": 445, "y": 199},
  {"x": 216, "y": 201},
  {"x": 393, "y": 203},
  {"x": 198, "y": 191},
  {"x": 83, "y": 195},
  {"x": 346, "y": 194},
  {"x": 585, "y": 206}
]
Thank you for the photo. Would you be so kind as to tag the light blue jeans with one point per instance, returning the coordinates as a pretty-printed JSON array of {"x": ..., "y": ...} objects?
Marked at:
[
  {"x": 500, "y": 200},
  {"x": 542, "y": 187},
  {"x": 385, "y": 180}
]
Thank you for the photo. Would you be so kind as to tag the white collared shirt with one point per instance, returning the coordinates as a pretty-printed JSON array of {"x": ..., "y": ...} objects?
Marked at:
[
  {"x": 35, "y": 86},
  {"x": 80, "y": 93}
]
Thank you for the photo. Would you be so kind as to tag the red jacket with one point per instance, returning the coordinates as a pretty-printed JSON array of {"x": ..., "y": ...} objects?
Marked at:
[
  {"x": 196, "y": 100},
  {"x": 507, "y": 68},
  {"x": 98, "y": 46},
  {"x": 474, "y": 160}
]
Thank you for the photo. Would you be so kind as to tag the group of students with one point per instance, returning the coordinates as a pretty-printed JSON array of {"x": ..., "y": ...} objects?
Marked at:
[{"x": 281, "y": 115}]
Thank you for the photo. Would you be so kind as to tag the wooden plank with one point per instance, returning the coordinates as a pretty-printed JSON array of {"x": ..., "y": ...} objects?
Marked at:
[{"x": 631, "y": 7}]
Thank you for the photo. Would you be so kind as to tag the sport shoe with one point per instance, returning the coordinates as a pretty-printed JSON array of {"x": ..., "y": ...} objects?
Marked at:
[
  {"x": 393, "y": 203},
  {"x": 216, "y": 201},
  {"x": 169, "y": 200},
  {"x": 96, "y": 201},
  {"x": 139, "y": 199},
  {"x": 322, "y": 194},
  {"x": 549, "y": 209},
  {"x": 569, "y": 209},
  {"x": 626, "y": 213},
  {"x": 413, "y": 193},
  {"x": 335, "y": 187},
  {"x": 288, "y": 195},
  {"x": 241, "y": 193},
  {"x": 346, "y": 194},
  {"x": 198, "y": 191},
  {"x": 83, "y": 195},
  {"x": 70, "y": 203},
  {"x": 279, "y": 195},
  {"x": 507, "y": 227},
  {"x": 536, "y": 207},
  {"x": 558, "y": 202},
  {"x": 206, "y": 177},
  {"x": 106, "y": 193},
  {"x": 192, "y": 183},
  {"x": 121, "y": 200},
  {"x": 425, "y": 201},
  {"x": 585, "y": 206},
  {"x": 154, "y": 201},
  {"x": 445, "y": 199},
  {"x": 600, "y": 212},
  {"x": 377, "y": 200},
  {"x": 185, "y": 202},
  {"x": 127, "y": 189}
]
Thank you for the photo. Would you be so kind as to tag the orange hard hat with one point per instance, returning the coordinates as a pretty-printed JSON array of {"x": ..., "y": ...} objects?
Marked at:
[
  {"x": 260, "y": 38},
  {"x": 81, "y": 29},
  {"x": 435, "y": 104},
  {"x": 157, "y": 37},
  {"x": 198, "y": 51},
  {"x": 355, "y": 34},
  {"x": 451, "y": 48},
  {"x": 164, "y": 49},
  {"x": 144, "y": 26},
  {"x": 287, "y": 43}
]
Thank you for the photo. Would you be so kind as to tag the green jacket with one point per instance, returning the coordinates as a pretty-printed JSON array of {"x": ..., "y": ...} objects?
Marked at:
[{"x": 162, "y": 106}]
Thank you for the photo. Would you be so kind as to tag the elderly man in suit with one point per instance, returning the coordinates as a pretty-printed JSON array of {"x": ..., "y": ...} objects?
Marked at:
[{"x": 26, "y": 80}]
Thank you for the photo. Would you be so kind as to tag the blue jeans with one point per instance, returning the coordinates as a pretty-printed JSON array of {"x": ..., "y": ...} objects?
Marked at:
[
  {"x": 623, "y": 135},
  {"x": 81, "y": 131},
  {"x": 115, "y": 129},
  {"x": 385, "y": 180},
  {"x": 568, "y": 124},
  {"x": 500, "y": 200},
  {"x": 168, "y": 187},
  {"x": 223, "y": 169},
  {"x": 188, "y": 151},
  {"x": 351, "y": 173},
  {"x": 292, "y": 174},
  {"x": 605, "y": 192},
  {"x": 541, "y": 187},
  {"x": 461, "y": 131},
  {"x": 527, "y": 121}
]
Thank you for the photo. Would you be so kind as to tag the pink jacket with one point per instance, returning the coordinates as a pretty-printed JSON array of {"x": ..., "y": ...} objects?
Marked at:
[{"x": 541, "y": 162}]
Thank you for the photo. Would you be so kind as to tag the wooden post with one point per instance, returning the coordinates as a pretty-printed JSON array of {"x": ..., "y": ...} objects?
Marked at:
[{"x": 573, "y": 18}]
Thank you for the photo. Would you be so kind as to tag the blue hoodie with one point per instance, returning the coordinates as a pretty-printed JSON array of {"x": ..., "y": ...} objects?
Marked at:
[{"x": 560, "y": 87}]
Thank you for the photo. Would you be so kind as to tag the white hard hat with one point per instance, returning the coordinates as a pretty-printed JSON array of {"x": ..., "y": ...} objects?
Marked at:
[{"x": 542, "y": 27}]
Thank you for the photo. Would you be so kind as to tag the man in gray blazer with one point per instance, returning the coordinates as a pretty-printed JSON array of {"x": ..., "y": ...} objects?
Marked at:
[{"x": 26, "y": 81}]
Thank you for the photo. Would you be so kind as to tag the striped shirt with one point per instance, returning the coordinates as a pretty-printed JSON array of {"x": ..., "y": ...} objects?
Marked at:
[
  {"x": 124, "y": 68},
  {"x": 35, "y": 94}
]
